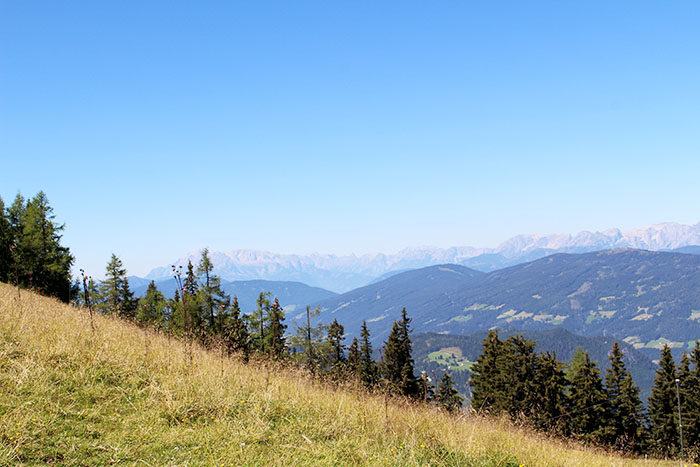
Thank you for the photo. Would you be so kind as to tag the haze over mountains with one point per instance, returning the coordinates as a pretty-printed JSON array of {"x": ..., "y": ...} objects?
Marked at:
[
  {"x": 644, "y": 298},
  {"x": 344, "y": 273}
]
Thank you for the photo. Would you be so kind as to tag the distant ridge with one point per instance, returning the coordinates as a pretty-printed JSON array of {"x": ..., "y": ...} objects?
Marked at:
[
  {"x": 343, "y": 273},
  {"x": 642, "y": 297}
]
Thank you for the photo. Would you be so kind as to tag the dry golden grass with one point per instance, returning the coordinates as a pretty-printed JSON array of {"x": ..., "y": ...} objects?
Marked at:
[{"x": 69, "y": 395}]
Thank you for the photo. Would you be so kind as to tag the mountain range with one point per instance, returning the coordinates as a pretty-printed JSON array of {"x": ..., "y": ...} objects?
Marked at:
[
  {"x": 344, "y": 273},
  {"x": 643, "y": 298}
]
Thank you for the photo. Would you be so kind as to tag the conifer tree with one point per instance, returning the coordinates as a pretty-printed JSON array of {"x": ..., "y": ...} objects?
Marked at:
[
  {"x": 684, "y": 378},
  {"x": 41, "y": 262},
  {"x": 625, "y": 406},
  {"x": 111, "y": 289},
  {"x": 278, "y": 344},
  {"x": 354, "y": 359},
  {"x": 191, "y": 306},
  {"x": 369, "y": 370},
  {"x": 576, "y": 361},
  {"x": 234, "y": 331},
  {"x": 447, "y": 396},
  {"x": 212, "y": 295},
  {"x": 691, "y": 411},
  {"x": 258, "y": 321},
  {"x": 6, "y": 241},
  {"x": 151, "y": 307},
  {"x": 485, "y": 374},
  {"x": 426, "y": 390},
  {"x": 551, "y": 384},
  {"x": 589, "y": 403},
  {"x": 397, "y": 364},
  {"x": 518, "y": 378},
  {"x": 663, "y": 416},
  {"x": 335, "y": 339}
]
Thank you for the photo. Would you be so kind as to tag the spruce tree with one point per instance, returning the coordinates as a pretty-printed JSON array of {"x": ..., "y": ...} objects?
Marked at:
[
  {"x": 691, "y": 421},
  {"x": 551, "y": 397},
  {"x": 335, "y": 340},
  {"x": 518, "y": 378},
  {"x": 397, "y": 363},
  {"x": 684, "y": 379},
  {"x": 192, "y": 309},
  {"x": 369, "y": 370},
  {"x": 235, "y": 333},
  {"x": 151, "y": 307},
  {"x": 624, "y": 404},
  {"x": 663, "y": 407},
  {"x": 485, "y": 374},
  {"x": 6, "y": 242},
  {"x": 111, "y": 289},
  {"x": 447, "y": 396},
  {"x": 354, "y": 359},
  {"x": 278, "y": 344},
  {"x": 588, "y": 413},
  {"x": 426, "y": 390},
  {"x": 576, "y": 361}
]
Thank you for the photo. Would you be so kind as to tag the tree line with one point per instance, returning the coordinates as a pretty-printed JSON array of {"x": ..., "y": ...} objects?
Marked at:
[
  {"x": 31, "y": 254},
  {"x": 510, "y": 378}
]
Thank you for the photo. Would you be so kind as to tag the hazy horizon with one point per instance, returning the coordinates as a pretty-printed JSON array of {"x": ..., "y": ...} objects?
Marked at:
[{"x": 157, "y": 128}]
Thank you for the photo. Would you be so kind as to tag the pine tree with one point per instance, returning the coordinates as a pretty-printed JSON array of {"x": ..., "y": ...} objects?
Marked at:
[
  {"x": 625, "y": 406},
  {"x": 485, "y": 374},
  {"x": 447, "y": 396},
  {"x": 589, "y": 403},
  {"x": 335, "y": 339},
  {"x": 278, "y": 344},
  {"x": 369, "y": 370},
  {"x": 151, "y": 307},
  {"x": 662, "y": 407}
]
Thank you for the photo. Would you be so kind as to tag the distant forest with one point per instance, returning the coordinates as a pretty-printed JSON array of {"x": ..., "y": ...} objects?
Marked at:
[{"x": 508, "y": 378}]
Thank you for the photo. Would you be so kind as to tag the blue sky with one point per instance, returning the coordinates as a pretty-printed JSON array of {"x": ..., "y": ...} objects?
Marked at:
[{"x": 347, "y": 127}]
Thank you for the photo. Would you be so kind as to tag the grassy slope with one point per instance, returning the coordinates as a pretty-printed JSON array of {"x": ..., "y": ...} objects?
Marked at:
[{"x": 72, "y": 396}]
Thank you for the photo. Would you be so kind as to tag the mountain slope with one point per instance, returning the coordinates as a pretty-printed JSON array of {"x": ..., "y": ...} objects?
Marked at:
[
  {"x": 380, "y": 303},
  {"x": 343, "y": 273},
  {"x": 119, "y": 394},
  {"x": 645, "y": 298}
]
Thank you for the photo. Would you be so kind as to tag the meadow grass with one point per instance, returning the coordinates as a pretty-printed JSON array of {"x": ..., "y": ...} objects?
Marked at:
[{"x": 119, "y": 394}]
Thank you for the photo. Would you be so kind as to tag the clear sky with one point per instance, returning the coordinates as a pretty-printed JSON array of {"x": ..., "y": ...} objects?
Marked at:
[{"x": 347, "y": 127}]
